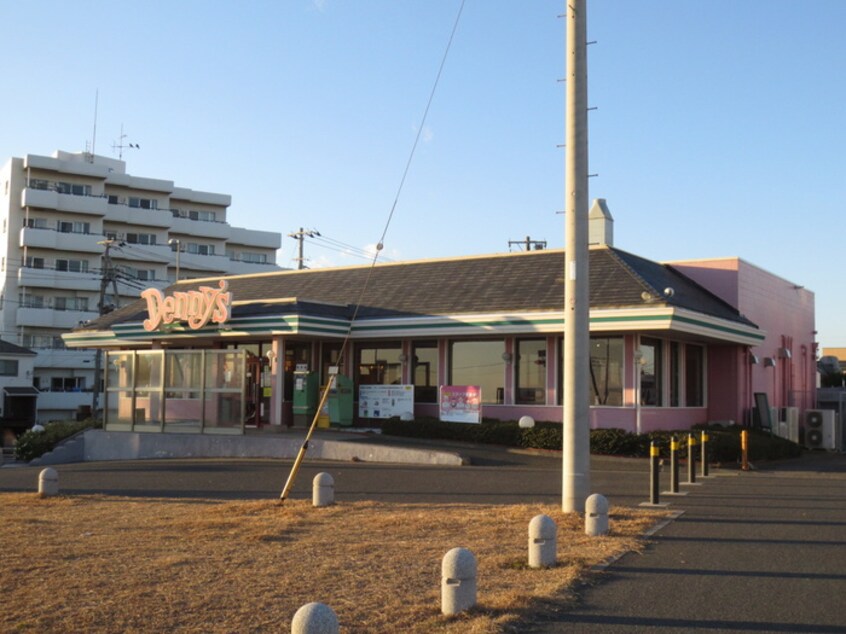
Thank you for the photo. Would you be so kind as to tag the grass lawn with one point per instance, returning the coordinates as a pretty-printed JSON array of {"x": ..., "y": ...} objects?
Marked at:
[{"x": 111, "y": 564}]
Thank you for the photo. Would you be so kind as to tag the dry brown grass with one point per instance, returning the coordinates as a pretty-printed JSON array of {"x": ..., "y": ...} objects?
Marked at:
[{"x": 109, "y": 564}]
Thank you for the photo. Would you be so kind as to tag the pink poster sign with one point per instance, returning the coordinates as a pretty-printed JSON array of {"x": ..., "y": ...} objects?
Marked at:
[{"x": 460, "y": 403}]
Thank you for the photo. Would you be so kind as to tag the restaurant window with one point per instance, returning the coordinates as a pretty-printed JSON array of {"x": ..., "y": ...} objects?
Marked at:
[
  {"x": 531, "y": 372},
  {"x": 296, "y": 353},
  {"x": 479, "y": 363},
  {"x": 651, "y": 372},
  {"x": 330, "y": 357},
  {"x": 606, "y": 371},
  {"x": 675, "y": 374},
  {"x": 379, "y": 364},
  {"x": 694, "y": 376},
  {"x": 424, "y": 371}
]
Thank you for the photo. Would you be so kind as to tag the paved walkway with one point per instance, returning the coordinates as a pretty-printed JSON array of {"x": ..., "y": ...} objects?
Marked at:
[{"x": 763, "y": 551}]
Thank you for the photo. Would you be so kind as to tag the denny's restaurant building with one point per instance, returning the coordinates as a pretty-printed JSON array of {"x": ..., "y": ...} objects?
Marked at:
[{"x": 216, "y": 356}]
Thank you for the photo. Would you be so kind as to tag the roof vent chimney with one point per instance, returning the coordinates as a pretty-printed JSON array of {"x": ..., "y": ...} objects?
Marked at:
[{"x": 600, "y": 224}]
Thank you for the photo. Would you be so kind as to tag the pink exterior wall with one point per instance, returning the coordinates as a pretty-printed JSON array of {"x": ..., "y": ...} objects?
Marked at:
[{"x": 785, "y": 312}]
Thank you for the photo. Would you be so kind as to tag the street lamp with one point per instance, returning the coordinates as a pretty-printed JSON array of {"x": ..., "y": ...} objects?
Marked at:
[{"x": 178, "y": 244}]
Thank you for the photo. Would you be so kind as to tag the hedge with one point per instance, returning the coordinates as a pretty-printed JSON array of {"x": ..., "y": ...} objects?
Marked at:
[
  {"x": 33, "y": 444},
  {"x": 723, "y": 442}
]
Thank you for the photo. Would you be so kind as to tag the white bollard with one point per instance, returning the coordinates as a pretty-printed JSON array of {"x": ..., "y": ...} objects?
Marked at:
[
  {"x": 323, "y": 490},
  {"x": 315, "y": 618},
  {"x": 543, "y": 541},
  {"x": 596, "y": 515},
  {"x": 458, "y": 581},
  {"x": 48, "y": 482}
]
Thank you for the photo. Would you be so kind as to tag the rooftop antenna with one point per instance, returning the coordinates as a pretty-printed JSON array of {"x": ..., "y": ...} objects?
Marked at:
[
  {"x": 94, "y": 135},
  {"x": 119, "y": 145}
]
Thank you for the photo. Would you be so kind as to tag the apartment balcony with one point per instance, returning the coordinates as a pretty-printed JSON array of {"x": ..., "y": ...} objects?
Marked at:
[
  {"x": 120, "y": 212},
  {"x": 64, "y": 404},
  {"x": 61, "y": 280},
  {"x": 50, "y": 318},
  {"x": 65, "y": 359},
  {"x": 68, "y": 203},
  {"x": 236, "y": 267},
  {"x": 203, "y": 264},
  {"x": 152, "y": 253},
  {"x": 200, "y": 228},
  {"x": 65, "y": 242},
  {"x": 254, "y": 238}
]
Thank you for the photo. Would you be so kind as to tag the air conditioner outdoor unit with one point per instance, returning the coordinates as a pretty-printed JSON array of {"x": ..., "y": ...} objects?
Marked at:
[{"x": 819, "y": 429}]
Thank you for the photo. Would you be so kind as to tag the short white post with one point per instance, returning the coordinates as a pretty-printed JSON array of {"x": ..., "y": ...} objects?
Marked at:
[
  {"x": 315, "y": 618},
  {"x": 48, "y": 482},
  {"x": 543, "y": 541},
  {"x": 458, "y": 581},
  {"x": 596, "y": 515},
  {"x": 323, "y": 490}
]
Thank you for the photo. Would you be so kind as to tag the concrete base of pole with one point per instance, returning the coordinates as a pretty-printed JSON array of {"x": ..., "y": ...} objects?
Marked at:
[
  {"x": 691, "y": 484},
  {"x": 672, "y": 494}
]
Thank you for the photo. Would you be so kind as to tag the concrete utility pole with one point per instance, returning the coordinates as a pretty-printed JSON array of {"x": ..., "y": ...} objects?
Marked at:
[
  {"x": 300, "y": 237},
  {"x": 576, "y": 418},
  {"x": 108, "y": 275}
]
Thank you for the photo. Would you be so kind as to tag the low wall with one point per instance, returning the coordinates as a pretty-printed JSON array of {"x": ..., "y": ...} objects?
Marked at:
[{"x": 115, "y": 445}]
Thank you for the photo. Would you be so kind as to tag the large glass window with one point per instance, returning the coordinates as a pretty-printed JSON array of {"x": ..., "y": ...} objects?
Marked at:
[
  {"x": 531, "y": 371},
  {"x": 694, "y": 373},
  {"x": 651, "y": 374},
  {"x": 296, "y": 353},
  {"x": 675, "y": 374},
  {"x": 379, "y": 364},
  {"x": 606, "y": 371},
  {"x": 424, "y": 357},
  {"x": 479, "y": 363}
]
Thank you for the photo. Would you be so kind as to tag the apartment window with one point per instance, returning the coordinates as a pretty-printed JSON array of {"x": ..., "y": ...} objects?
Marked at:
[
  {"x": 39, "y": 183},
  {"x": 114, "y": 200},
  {"x": 479, "y": 363},
  {"x": 143, "y": 203},
  {"x": 111, "y": 235},
  {"x": 36, "y": 223},
  {"x": 254, "y": 258},
  {"x": 206, "y": 216},
  {"x": 8, "y": 367},
  {"x": 73, "y": 227},
  {"x": 531, "y": 371},
  {"x": 67, "y": 384},
  {"x": 141, "y": 238},
  {"x": 72, "y": 266},
  {"x": 34, "y": 263},
  {"x": 74, "y": 189},
  {"x": 30, "y": 301},
  {"x": 70, "y": 303},
  {"x": 200, "y": 249}
]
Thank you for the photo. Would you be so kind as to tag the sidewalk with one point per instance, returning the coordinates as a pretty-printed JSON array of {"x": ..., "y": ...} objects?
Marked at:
[{"x": 760, "y": 551}]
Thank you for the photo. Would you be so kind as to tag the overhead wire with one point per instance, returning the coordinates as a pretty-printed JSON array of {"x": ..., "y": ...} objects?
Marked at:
[{"x": 379, "y": 246}]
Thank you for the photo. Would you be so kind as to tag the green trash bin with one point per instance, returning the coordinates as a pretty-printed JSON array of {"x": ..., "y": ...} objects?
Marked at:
[
  {"x": 341, "y": 402},
  {"x": 305, "y": 397}
]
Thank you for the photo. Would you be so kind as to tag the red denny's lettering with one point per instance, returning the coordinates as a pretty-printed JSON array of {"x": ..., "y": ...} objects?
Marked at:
[{"x": 195, "y": 307}]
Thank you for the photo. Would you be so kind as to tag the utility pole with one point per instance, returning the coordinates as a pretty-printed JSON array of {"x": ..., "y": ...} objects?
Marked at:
[
  {"x": 576, "y": 415},
  {"x": 538, "y": 245},
  {"x": 300, "y": 236},
  {"x": 108, "y": 275}
]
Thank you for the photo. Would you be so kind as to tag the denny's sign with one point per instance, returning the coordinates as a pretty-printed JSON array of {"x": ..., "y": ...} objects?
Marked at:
[{"x": 197, "y": 308}]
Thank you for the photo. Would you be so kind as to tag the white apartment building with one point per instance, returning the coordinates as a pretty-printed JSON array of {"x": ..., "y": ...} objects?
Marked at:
[{"x": 60, "y": 214}]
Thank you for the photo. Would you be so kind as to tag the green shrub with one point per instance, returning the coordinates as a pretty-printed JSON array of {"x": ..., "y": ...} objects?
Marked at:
[
  {"x": 723, "y": 442},
  {"x": 33, "y": 444}
]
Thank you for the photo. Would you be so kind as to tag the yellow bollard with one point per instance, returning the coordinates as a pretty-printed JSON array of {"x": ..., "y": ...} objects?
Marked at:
[{"x": 744, "y": 450}]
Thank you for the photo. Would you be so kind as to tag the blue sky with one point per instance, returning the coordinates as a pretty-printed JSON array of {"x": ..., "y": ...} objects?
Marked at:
[{"x": 719, "y": 128}]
